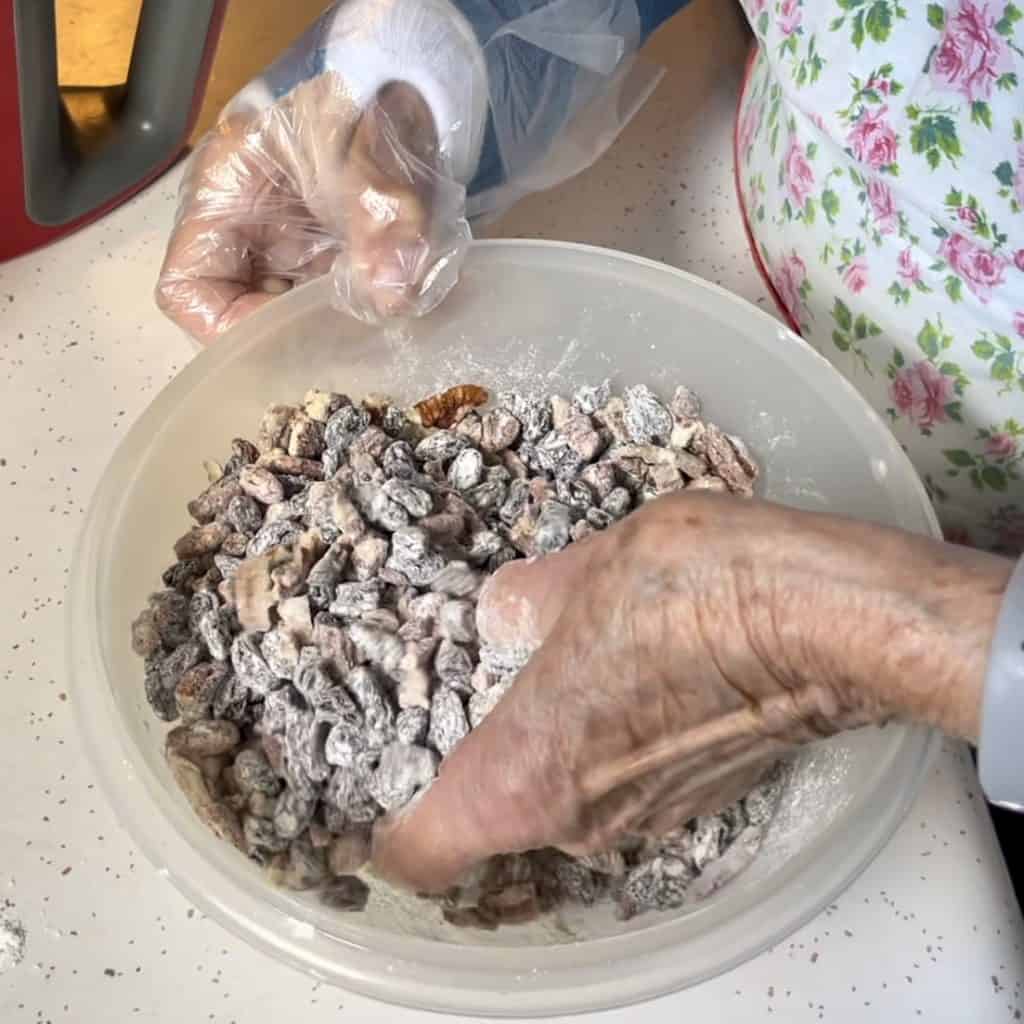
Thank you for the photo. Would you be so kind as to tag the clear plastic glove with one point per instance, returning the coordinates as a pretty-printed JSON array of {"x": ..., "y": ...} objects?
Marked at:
[
  {"x": 309, "y": 185},
  {"x": 354, "y": 153},
  {"x": 678, "y": 655}
]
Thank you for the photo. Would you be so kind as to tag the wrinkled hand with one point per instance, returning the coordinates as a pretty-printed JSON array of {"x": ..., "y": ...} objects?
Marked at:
[
  {"x": 274, "y": 199},
  {"x": 679, "y": 654},
  {"x": 660, "y": 690}
]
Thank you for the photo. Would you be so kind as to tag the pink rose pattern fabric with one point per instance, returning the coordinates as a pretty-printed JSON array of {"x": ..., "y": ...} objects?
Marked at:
[
  {"x": 790, "y": 282},
  {"x": 977, "y": 266},
  {"x": 972, "y": 54},
  {"x": 883, "y": 207},
  {"x": 799, "y": 174},
  {"x": 1018, "y": 180},
  {"x": 881, "y": 166},
  {"x": 921, "y": 393},
  {"x": 872, "y": 139}
]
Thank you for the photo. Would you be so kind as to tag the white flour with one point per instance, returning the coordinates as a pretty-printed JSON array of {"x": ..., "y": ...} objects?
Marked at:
[
  {"x": 516, "y": 366},
  {"x": 818, "y": 790},
  {"x": 12, "y": 938}
]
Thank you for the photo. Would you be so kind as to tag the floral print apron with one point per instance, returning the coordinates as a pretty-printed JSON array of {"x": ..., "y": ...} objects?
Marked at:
[{"x": 880, "y": 162}]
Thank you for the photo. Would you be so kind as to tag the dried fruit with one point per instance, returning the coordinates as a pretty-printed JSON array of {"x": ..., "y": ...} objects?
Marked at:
[
  {"x": 411, "y": 725},
  {"x": 317, "y": 635},
  {"x": 647, "y": 419},
  {"x": 145, "y": 635},
  {"x": 261, "y": 484},
  {"x": 589, "y": 398},
  {"x": 466, "y": 470},
  {"x": 499, "y": 431},
  {"x": 348, "y": 894},
  {"x": 403, "y": 770},
  {"x": 344, "y": 426},
  {"x": 201, "y": 540},
  {"x": 448, "y": 723},
  {"x": 216, "y": 814},
  {"x": 457, "y": 621},
  {"x": 253, "y": 773},
  {"x": 198, "y": 688}
]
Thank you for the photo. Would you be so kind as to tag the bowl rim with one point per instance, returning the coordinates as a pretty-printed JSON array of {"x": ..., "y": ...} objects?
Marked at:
[{"x": 489, "y": 981}]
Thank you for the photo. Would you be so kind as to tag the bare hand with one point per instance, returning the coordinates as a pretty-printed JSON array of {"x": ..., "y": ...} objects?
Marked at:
[{"x": 679, "y": 654}]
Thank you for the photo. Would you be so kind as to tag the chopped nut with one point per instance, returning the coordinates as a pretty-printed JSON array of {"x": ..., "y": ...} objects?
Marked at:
[
  {"x": 214, "y": 500},
  {"x": 445, "y": 410},
  {"x": 305, "y": 437},
  {"x": 274, "y": 427},
  {"x": 321, "y": 405},
  {"x": 613, "y": 418},
  {"x": 708, "y": 483},
  {"x": 197, "y": 688}
]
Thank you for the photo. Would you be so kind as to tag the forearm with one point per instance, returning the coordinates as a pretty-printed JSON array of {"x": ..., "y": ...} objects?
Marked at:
[
  {"x": 935, "y": 637},
  {"x": 898, "y": 624}
]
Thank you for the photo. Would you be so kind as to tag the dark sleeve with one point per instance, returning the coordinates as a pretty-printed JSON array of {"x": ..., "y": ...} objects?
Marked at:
[
  {"x": 654, "y": 12},
  {"x": 534, "y": 92}
]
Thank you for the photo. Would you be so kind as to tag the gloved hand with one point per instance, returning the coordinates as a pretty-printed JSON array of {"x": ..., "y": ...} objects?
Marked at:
[
  {"x": 275, "y": 197},
  {"x": 353, "y": 153},
  {"x": 679, "y": 654}
]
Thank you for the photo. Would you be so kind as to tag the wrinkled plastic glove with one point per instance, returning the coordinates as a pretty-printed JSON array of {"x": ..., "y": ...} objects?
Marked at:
[
  {"x": 680, "y": 653},
  {"x": 354, "y": 151},
  {"x": 310, "y": 185}
]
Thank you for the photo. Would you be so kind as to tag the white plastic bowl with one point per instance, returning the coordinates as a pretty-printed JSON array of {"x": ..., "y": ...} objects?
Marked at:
[{"x": 543, "y": 316}]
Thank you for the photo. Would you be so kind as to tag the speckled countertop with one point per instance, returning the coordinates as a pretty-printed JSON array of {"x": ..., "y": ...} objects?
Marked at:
[{"x": 930, "y": 931}]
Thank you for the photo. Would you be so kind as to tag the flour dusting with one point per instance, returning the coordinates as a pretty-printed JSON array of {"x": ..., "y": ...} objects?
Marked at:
[
  {"x": 13, "y": 938},
  {"x": 514, "y": 365}
]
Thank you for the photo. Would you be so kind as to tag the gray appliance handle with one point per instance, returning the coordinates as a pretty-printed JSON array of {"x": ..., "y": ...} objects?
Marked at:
[{"x": 63, "y": 184}]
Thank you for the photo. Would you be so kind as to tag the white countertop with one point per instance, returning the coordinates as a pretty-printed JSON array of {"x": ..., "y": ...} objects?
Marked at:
[{"x": 930, "y": 931}]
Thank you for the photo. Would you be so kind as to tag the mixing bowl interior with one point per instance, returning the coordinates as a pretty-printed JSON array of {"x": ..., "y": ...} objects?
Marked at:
[{"x": 542, "y": 317}]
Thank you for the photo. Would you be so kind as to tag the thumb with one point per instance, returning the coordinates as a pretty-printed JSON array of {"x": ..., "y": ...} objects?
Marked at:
[
  {"x": 499, "y": 791},
  {"x": 480, "y": 805},
  {"x": 520, "y": 604}
]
